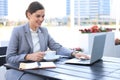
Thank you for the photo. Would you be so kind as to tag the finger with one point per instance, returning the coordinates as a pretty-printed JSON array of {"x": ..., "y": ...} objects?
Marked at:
[
  {"x": 39, "y": 59},
  {"x": 87, "y": 57},
  {"x": 42, "y": 53}
]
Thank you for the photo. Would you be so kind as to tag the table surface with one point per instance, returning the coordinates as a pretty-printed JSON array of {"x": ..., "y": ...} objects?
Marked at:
[{"x": 106, "y": 69}]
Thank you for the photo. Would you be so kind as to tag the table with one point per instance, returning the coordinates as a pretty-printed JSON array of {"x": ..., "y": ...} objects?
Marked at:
[{"x": 106, "y": 69}]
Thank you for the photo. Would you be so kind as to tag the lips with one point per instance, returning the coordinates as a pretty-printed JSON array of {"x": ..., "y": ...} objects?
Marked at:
[{"x": 39, "y": 23}]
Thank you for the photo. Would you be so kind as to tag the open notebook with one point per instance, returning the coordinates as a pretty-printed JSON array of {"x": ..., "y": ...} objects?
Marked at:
[
  {"x": 35, "y": 65},
  {"x": 96, "y": 53}
]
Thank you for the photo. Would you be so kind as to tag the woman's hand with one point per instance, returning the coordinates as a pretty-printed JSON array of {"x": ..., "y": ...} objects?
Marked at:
[
  {"x": 80, "y": 55},
  {"x": 37, "y": 56},
  {"x": 117, "y": 41}
]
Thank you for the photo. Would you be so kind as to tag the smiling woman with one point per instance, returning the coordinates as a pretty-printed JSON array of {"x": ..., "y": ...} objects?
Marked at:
[{"x": 35, "y": 15}]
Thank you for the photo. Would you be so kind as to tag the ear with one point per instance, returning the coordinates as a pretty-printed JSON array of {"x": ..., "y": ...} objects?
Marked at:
[{"x": 28, "y": 15}]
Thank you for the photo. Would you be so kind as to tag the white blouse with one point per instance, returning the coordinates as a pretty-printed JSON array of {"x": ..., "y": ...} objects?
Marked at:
[{"x": 35, "y": 40}]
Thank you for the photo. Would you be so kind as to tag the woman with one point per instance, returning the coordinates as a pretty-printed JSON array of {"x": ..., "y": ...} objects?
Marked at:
[{"x": 29, "y": 41}]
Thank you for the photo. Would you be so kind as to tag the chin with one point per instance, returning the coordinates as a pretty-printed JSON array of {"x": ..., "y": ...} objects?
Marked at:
[{"x": 38, "y": 24}]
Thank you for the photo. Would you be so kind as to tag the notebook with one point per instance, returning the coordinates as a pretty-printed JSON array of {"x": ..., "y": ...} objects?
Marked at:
[
  {"x": 96, "y": 53},
  {"x": 36, "y": 65}
]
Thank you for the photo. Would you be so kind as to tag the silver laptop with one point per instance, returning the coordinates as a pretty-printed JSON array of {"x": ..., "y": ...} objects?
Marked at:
[{"x": 97, "y": 52}]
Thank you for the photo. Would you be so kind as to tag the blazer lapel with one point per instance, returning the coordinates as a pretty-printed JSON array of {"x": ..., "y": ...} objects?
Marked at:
[
  {"x": 41, "y": 38},
  {"x": 28, "y": 36}
]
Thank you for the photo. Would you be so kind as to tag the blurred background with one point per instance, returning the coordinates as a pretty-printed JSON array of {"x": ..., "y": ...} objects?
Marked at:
[
  {"x": 62, "y": 17},
  {"x": 63, "y": 12}
]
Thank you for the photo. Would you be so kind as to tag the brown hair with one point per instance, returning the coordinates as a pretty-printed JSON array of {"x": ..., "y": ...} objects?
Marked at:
[{"x": 33, "y": 7}]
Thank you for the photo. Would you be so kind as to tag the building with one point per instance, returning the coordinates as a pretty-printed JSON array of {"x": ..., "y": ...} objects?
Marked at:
[
  {"x": 90, "y": 11},
  {"x": 3, "y": 11}
]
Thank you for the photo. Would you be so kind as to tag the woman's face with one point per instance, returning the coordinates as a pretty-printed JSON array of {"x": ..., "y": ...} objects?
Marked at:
[{"x": 36, "y": 18}]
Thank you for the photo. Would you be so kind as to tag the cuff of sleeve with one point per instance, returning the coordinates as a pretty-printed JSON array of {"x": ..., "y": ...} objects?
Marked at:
[
  {"x": 73, "y": 53},
  {"x": 23, "y": 57}
]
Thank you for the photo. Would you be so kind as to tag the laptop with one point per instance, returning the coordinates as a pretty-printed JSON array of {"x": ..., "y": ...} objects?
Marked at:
[{"x": 96, "y": 53}]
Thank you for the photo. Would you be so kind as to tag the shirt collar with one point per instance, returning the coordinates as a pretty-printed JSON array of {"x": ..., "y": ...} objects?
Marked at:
[{"x": 34, "y": 31}]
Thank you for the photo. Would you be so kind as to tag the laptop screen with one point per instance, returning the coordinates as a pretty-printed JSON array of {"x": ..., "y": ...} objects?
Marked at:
[{"x": 98, "y": 48}]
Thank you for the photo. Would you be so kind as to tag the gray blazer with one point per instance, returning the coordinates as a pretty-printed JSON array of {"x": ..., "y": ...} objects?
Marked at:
[{"x": 21, "y": 44}]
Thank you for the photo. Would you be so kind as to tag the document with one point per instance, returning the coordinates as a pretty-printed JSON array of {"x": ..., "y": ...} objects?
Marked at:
[{"x": 35, "y": 65}]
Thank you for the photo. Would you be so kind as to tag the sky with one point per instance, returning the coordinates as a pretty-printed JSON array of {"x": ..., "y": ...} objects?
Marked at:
[
  {"x": 115, "y": 8},
  {"x": 53, "y": 8}
]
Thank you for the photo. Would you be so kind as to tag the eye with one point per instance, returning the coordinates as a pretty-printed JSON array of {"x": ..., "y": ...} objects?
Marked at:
[
  {"x": 43, "y": 16},
  {"x": 37, "y": 16}
]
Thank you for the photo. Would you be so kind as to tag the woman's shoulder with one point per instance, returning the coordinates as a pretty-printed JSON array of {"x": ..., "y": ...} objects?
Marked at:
[
  {"x": 19, "y": 28},
  {"x": 43, "y": 29}
]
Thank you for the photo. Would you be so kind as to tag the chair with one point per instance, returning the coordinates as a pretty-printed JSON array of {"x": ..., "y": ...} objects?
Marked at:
[{"x": 3, "y": 55}]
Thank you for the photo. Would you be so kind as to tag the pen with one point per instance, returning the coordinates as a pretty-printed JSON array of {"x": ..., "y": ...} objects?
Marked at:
[{"x": 38, "y": 63}]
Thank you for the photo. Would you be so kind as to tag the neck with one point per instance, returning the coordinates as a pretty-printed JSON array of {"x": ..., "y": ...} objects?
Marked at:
[{"x": 34, "y": 28}]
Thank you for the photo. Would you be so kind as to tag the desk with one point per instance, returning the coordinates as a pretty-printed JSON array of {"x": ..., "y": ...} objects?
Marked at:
[{"x": 106, "y": 69}]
